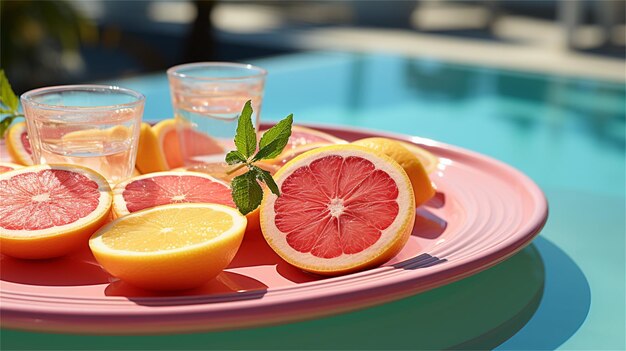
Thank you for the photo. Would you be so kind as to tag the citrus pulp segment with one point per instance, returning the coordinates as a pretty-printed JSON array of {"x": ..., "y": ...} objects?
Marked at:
[
  {"x": 50, "y": 210},
  {"x": 18, "y": 145},
  {"x": 423, "y": 188},
  {"x": 170, "y": 247},
  {"x": 342, "y": 208}
]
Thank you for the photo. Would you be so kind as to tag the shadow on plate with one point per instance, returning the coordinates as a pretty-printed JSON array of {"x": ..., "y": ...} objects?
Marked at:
[
  {"x": 428, "y": 225},
  {"x": 236, "y": 286},
  {"x": 73, "y": 270}
]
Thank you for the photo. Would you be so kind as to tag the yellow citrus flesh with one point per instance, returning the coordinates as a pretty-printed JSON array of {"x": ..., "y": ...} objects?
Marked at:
[
  {"x": 422, "y": 186},
  {"x": 57, "y": 240},
  {"x": 392, "y": 239},
  {"x": 170, "y": 247},
  {"x": 15, "y": 147},
  {"x": 150, "y": 158}
]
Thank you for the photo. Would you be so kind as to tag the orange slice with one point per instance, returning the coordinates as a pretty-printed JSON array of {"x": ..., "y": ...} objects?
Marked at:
[
  {"x": 342, "y": 208},
  {"x": 50, "y": 210},
  {"x": 170, "y": 247},
  {"x": 18, "y": 144}
]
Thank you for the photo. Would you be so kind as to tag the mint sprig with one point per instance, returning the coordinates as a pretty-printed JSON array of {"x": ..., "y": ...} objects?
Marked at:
[
  {"x": 246, "y": 190},
  {"x": 9, "y": 104}
]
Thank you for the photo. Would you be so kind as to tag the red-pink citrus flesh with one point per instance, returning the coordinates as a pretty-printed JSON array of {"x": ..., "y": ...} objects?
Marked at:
[
  {"x": 50, "y": 210},
  {"x": 170, "y": 187},
  {"x": 342, "y": 208},
  {"x": 8, "y": 166}
]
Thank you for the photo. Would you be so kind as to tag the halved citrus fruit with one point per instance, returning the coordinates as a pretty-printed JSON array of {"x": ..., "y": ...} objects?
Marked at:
[
  {"x": 150, "y": 158},
  {"x": 170, "y": 187},
  {"x": 221, "y": 171},
  {"x": 18, "y": 145},
  {"x": 342, "y": 208},
  {"x": 50, "y": 210},
  {"x": 194, "y": 144},
  {"x": 171, "y": 247},
  {"x": 428, "y": 159},
  {"x": 8, "y": 166},
  {"x": 303, "y": 139},
  {"x": 423, "y": 188}
]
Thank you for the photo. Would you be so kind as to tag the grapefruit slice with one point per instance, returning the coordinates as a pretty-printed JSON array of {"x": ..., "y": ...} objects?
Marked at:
[
  {"x": 171, "y": 247},
  {"x": 18, "y": 145},
  {"x": 423, "y": 189},
  {"x": 195, "y": 144},
  {"x": 50, "y": 210},
  {"x": 170, "y": 187},
  {"x": 303, "y": 139},
  {"x": 220, "y": 171},
  {"x": 342, "y": 208},
  {"x": 8, "y": 166}
]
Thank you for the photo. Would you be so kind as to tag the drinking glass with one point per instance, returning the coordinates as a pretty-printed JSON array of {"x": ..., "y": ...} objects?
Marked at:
[
  {"x": 96, "y": 126},
  {"x": 207, "y": 99}
]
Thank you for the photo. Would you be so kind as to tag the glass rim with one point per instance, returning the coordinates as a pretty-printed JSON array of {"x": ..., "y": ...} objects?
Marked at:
[
  {"x": 29, "y": 97},
  {"x": 256, "y": 72}
]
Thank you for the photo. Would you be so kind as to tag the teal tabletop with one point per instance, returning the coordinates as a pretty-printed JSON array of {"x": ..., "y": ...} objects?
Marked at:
[{"x": 564, "y": 291}]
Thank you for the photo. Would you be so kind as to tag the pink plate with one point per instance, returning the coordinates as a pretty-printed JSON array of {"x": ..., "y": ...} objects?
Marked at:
[{"x": 484, "y": 212}]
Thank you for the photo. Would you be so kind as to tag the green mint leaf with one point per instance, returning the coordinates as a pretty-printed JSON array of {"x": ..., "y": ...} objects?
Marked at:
[
  {"x": 245, "y": 139},
  {"x": 266, "y": 178},
  {"x": 247, "y": 193},
  {"x": 7, "y": 96},
  {"x": 274, "y": 139},
  {"x": 5, "y": 123},
  {"x": 234, "y": 157}
]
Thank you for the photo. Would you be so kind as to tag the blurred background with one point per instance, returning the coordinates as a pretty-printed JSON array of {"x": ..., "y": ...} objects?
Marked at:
[{"x": 74, "y": 41}]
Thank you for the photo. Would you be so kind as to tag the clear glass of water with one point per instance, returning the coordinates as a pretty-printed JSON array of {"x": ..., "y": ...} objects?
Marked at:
[
  {"x": 208, "y": 98},
  {"x": 96, "y": 126}
]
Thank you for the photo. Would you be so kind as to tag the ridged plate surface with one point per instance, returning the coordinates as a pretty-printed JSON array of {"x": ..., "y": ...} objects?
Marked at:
[{"x": 484, "y": 212}]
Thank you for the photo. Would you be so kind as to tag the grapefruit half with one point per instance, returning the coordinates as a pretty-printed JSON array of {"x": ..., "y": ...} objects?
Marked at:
[
  {"x": 50, "y": 210},
  {"x": 303, "y": 139},
  {"x": 342, "y": 208},
  {"x": 171, "y": 187}
]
